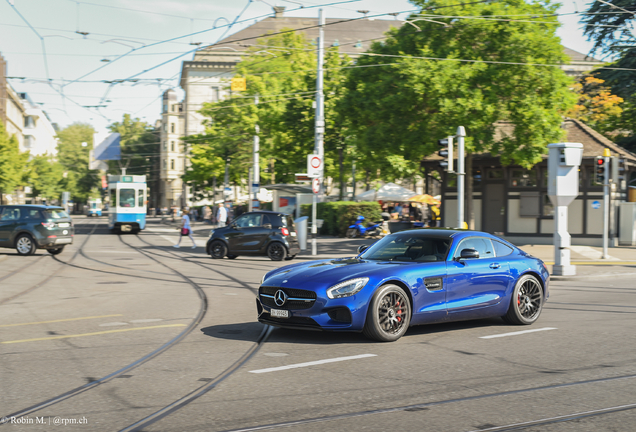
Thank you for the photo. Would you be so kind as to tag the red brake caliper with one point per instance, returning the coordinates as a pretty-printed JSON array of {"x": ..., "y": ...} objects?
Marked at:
[{"x": 399, "y": 318}]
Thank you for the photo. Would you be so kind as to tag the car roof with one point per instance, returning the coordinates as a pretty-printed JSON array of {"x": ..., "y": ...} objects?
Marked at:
[
  {"x": 38, "y": 206},
  {"x": 444, "y": 233},
  {"x": 266, "y": 212}
]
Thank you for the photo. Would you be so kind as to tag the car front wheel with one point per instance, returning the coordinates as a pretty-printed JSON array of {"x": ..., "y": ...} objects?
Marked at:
[
  {"x": 526, "y": 302},
  {"x": 276, "y": 251},
  {"x": 218, "y": 249},
  {"x": 389, "y": 314},
  {"x": 25, "y": 245}
]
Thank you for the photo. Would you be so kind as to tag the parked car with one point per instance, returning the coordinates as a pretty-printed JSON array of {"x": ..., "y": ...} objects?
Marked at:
[
  {"x": 30, "y": 227},
  {"x": 419, "y": 276},
  {"x": 268, "y": 233}
]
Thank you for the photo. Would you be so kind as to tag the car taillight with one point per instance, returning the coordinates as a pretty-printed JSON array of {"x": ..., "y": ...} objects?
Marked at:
[
  {"x": 285, "y": 231},
  {"x": 48, "y": 225}
]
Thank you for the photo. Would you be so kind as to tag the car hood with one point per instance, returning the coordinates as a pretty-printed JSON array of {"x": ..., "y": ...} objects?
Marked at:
[{"x": 319, "y": 273}]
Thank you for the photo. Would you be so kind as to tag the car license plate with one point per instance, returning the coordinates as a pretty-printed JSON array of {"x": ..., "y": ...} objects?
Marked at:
[
  {"x": 293, "y": 233},
  {"x": 279, "y": 313},
  {"x": 63, "y": 225}
]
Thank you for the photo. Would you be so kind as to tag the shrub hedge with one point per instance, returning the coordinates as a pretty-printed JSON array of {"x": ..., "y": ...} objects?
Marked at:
[{"x": 338, "y": 215}]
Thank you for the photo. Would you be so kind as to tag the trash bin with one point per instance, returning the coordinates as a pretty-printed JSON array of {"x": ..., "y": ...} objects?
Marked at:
[{"x": 301, "y": 231}]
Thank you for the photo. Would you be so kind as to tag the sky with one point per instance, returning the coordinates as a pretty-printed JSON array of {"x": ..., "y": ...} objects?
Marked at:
[{"x": 84, "y": 42}]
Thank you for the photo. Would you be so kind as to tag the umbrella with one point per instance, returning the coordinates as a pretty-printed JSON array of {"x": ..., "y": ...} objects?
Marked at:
[
  {"x": 425, "y": 199},
  {"x": 388, "y": 192}
]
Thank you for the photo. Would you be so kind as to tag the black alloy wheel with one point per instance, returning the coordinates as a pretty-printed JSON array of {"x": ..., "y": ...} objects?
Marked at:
[
  {"x": 389, "y": 314},
  {"x": 56, "y": 251},
  {"x": 526, "y": 303},
  {"x": 25, "y": 245},
  {"x": 218, "y": 249},
  {"x": 276, "y": 251}
]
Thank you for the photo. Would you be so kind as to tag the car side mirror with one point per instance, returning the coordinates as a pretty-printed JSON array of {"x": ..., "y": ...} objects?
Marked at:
[
  {"x": 234, "y": 226},
  {"x": 362, "y": 248},
  {"x": 268, "y": 226},
  {"x": 469, "y": 254}
]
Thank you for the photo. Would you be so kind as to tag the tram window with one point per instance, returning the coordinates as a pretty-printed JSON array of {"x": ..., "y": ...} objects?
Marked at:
[
  {"x": 126, "y": 197},
  {"x": 140, "y": 198}
]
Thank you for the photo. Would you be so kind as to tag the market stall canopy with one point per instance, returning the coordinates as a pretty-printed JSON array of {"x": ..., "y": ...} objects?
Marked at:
[
  {"x": 425, "y": 199},
  {"x": 388, "y": 192}
]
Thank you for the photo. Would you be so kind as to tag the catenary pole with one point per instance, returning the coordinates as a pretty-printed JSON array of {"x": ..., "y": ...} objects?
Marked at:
[
  {"x": 255, "y": 183},
  {"x": 461, "y": 133},
  {"x": 320, "y": 125}
]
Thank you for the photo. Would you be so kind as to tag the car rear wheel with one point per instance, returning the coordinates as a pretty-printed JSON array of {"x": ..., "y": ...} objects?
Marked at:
[
  {"x": 276, "y": 251},
  {"x": 25, "y": 245},
  {"x": 218, "y": 249},
  {"x": 526, "y": 302},
  {"x": 389, "y": 314},
  {"x": 351, "y": 233},
  {"x": 56, "y": 250}
]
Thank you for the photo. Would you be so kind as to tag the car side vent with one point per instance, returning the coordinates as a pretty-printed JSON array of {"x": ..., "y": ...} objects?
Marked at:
[{"x": 433, "y": 284}]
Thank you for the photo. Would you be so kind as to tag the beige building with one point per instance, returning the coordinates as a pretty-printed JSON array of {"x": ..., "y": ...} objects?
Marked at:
[
  {"x": 206, "y": 78},
  {"x": 11, "y": 109}
]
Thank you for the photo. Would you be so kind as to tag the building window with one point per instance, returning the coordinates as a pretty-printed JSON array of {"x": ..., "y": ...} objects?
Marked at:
[
  {"x": 171, "y": 163},
  {"x": 171, "y": 145},
  {"x": 174, "y": 107},
  {"x": 165, "y": 163},
  {"x": 495, "y": 174},
  {"x": 523, "y": 178},
  {"x": 165, "y": 108},
  {"x": 477, "y": 176},
  {"x": 172, "y": 128},
  {"x": 165, "y": 145},
  {"x": 165, "y": 127}
]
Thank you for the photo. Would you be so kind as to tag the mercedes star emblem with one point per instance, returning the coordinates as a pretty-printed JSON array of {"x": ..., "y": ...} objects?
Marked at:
[{"x": 280, "y": 298}]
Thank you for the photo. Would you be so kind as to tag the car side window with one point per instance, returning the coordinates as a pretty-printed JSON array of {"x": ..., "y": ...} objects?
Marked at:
[
  {"x": 268, "y": 219},
  {"x": 10, "y": 214},
  {"x": 480, "y": 244},
  {"x": 248, "y": 220},
  {"x": 502, "y": 249}
]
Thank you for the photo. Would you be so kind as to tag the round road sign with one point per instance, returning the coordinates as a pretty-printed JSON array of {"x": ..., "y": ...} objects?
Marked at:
[
  {"x": 315, "y": 185},
  {"x": 596, "y": 205},
  {"x": 316, "y": 162}
]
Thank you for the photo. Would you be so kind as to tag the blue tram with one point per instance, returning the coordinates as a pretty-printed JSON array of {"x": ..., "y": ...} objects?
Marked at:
[
  {"x": 127, "y": 209},
  {"x": 94, "y": 207}
]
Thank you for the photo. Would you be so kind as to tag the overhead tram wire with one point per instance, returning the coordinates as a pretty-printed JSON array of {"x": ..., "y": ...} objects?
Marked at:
[{"x": 185, "y": 36}]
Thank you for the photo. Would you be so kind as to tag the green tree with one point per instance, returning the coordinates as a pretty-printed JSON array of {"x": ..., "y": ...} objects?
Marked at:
[
  {"x": 139, "y": 146},
  {"x": 597, "y": 106},
  {"x": 46, "y": 177},
  {"x": 436, "y": 75},
  {"x": 74, "y": 158},
  {"x": 281, "y": 71},
  {"x": 12, "y": 163}
]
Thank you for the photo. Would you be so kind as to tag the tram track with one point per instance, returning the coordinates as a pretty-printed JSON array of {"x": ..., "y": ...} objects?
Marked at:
[
  {"x": 95, "y": 383},
  {"x": 48, "y": 278},
  {"x": 427, "y": 405}
]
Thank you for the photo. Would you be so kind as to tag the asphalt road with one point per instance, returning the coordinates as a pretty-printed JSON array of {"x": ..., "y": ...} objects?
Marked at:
[{"x": 127, "y": 333}]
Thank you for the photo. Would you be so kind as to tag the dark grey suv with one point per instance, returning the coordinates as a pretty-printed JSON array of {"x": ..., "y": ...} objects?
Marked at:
[
  {"x": 30, "y": 227},
  {"x": 268, "y": 233}
]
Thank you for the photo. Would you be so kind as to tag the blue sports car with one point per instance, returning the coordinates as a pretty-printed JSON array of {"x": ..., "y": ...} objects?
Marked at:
[{"x": 413, "y": 277}]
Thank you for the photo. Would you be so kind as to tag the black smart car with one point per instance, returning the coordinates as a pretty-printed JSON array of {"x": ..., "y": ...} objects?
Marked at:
[
  {"x": 268, "y": 233},
  {"x": 30, "y": 227}
]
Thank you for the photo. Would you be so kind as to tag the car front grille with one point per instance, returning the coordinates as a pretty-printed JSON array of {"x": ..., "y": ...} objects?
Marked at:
[{"x": 296, "y": 298}]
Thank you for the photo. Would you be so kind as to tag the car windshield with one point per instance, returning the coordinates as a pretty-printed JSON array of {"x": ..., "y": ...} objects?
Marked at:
[
  {"x": 55, "y": 214},
  {"x": 416, "y": 248}
]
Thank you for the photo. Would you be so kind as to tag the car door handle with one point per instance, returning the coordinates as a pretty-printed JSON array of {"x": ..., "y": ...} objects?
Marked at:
[{"x": 495, "y": 265}]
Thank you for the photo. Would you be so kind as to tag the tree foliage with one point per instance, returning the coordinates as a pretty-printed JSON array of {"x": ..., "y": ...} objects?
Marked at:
[
  {"x": 74, "y": 158},
  {"x": 46, "y": 177},
  {"x": 12, "y": 163},
  {"x": 399, "y": 110},
  {"x": 596, "y": 105},
  {"x": 139, "y": 147},
  {"x": 280, "y": 70}
]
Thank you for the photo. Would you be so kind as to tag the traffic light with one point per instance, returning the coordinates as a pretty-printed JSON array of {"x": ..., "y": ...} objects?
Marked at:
[
  {"x": 600, "y": 170},
  {"x": 446, "y": 152}
]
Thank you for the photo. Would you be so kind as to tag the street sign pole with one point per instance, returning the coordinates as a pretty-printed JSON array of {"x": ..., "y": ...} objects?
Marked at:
[
  {"x": 255, "y": 183},
  {"x": 319, "y": 126}
]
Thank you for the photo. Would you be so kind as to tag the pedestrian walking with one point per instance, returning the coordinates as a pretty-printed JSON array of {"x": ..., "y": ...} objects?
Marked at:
[
  {"x": 186, "y": 230},
  {"x": 207, "y": 213},
  {"x": 221, "y": 216}
]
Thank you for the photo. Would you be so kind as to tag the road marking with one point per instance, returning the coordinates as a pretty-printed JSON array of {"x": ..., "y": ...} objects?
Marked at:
[
  {"x": 184, "y": 244},
  {"x": 590, "y": 253},
  {"x": 92, "y": 334},
  {"x": 111, "y": 324},
  {"x": 517, "y": 333},
  {"x": 313, "y": 363},
  {"x": 60, "y": 320},
  {"x": 146, "y": 320}
]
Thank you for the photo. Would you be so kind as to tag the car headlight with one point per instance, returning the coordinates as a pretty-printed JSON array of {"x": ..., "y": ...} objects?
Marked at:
[
  {"x": 211, "y": 232},
  {"x": 347, "y": 288}
]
